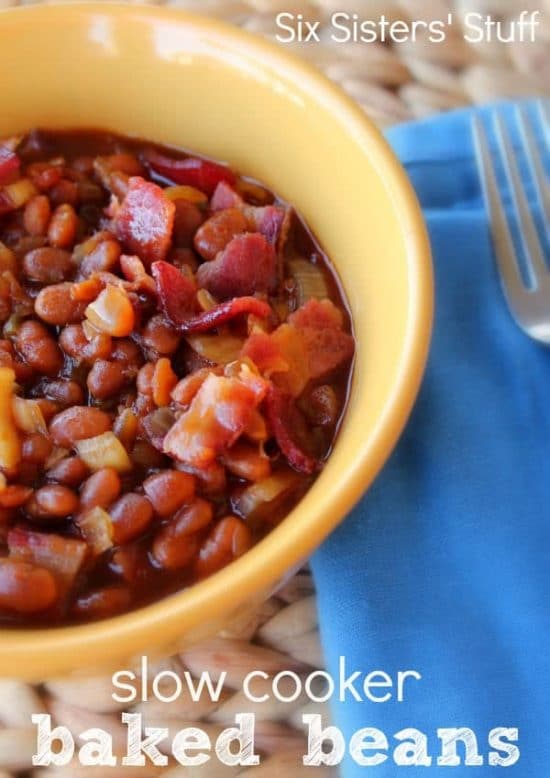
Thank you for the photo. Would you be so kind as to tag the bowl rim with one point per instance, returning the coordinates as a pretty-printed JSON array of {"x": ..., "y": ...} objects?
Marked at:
[{"x": 289, "y": 544}]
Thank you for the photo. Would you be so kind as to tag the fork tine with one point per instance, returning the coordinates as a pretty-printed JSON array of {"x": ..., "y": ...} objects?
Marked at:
[
  {"x": 533, "y": 250},
  {"x": 535, "y": 163},
  {"x": 502, "y": 238}
]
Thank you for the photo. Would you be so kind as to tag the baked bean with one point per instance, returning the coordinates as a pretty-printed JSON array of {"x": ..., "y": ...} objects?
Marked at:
[
  {"x": 321, "y": 406},
  {"x": 176, "y": 544},
  {"x": 26, "y": 244},
  {"x": 105, "y": 379},
  {"x": 100, "y": 603},
  {"x": 84, "y": 165},
  {"x": 47, "y": 265},
  {"x": 36, "y": 448},
  {"x": 48, "y": 408},
  {"x": 160, "y": 336},
  {"x": 229, "y": 539},
  {"x": 102, "y": 259},
  {"x": 56, "y": 305},
  {"x": 145, "y": 455},
  {"x": 129, "y": 561},
  {"x": 64, "y": 191},
  {"x": 212, "y": 479},
  {"x": 90, "y": 195},
  {"x": 145, "y": 379},
  {"x": 100, "y": 489},
  {"x": 126, "y": 428},
  {"x": 131, "y": 515},
  {"x": 127, "y": 354},
  {"x": 63, "y": 227},
  {"x": 36, "y": 215},
  {"x": 70, "y": 471},
  {"x": 169, "y": 490},
  {"x": 78, "y": 423},
  {"x": 218, "y": 230},
  {"x": 38, "y": 348},
  {"x": 64, "y": 392},
  {"x": 25, "y": 588},
  {"x": 75, "y": 344},
  {"x": 53, "y": 501},
  {"x": 14, "y": 495},
  {"x": 187, "y": 220},
  {"x": 44, "y": 175}
]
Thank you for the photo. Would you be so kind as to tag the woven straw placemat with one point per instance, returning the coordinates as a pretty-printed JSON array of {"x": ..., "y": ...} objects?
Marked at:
[{"x": 393, "y": 83}]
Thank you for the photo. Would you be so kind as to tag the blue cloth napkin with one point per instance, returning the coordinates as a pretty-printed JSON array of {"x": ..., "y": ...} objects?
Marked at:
[{"x": 444, "y": 567}]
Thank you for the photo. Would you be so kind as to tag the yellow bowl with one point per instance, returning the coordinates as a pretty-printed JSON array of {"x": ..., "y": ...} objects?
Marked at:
[{"x": 184, "y": 80}]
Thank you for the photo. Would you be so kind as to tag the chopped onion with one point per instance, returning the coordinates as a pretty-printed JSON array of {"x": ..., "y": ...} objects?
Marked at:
[
  {"x": 10, "y": 445},
  {"x": 97, "y": 529},
  {"x": 206, "y": 300},
  {"x": 19, "y": 193},
  {"x": 28, "y": 416},
  {"x": 310, "y": 281},
  {"x": 104, "y": 451},
  {"x": 112, "y": 312},
  {"x": 220, "y": 349},
  {"x": 263, "y": 493}
]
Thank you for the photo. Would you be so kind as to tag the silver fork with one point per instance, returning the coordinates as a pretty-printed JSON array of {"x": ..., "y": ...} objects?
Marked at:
[{"x": 528, "y": 303}]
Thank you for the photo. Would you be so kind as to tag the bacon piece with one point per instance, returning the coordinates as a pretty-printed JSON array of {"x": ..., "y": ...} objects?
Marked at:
[
  {"x": 327, "y": 345},
  {"x": 145, "y": 220},
  {"x": 319, "y": 314},
  {"x": 281, "y": 417},
  {"x": 224, "y": 313},
  {"x": 219, "y": 413},
  {"x": 217, "y": 231},
  {"x": 267, "y": 220},
  {"x": 199, "y": 173},
  {"x": 272, "y": 221},
  {"x": 225, "y": 197},
  {"x": 176, "y": 292},
  {"x": 247, "y": 265},
  {"x": 9, "y": 165},
  {"x": 310, "y": 345}
]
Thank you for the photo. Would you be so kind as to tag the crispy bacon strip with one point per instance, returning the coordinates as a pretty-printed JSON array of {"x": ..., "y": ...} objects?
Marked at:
[
  {"x": 224, "y": 313},
  {"x": 279, "y": 411},
  {"x": 199, "y": 173},
  {"x": 177, "y": 296},
  {"x": 176, "y": 292}
]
